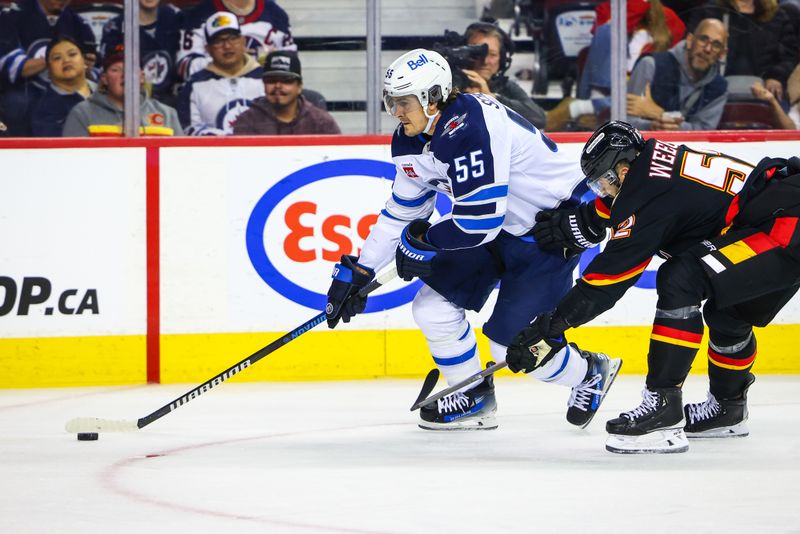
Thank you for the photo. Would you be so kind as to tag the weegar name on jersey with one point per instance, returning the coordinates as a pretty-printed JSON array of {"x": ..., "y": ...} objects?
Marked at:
[{"x": 663, "y": 160}]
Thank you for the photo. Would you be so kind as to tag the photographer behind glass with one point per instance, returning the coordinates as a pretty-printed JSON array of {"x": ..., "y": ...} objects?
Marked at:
[{"x": 481, "y": 69}]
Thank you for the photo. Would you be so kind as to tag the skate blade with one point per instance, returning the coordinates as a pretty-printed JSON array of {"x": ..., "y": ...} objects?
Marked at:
[
  {"x": 614, "y": 365},
  {"x": 667, "y": 441},
  {"x": 477, "y": 423},
  {"x": 736, "y": 431}
]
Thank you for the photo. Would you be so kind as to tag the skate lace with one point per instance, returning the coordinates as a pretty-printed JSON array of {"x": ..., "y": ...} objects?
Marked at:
[
  {"x": 703, "y": 410},
  {"x": 649, "y": 404},
  {"x": 453, "y": 402},
  {"x": 581, "y": 394}
]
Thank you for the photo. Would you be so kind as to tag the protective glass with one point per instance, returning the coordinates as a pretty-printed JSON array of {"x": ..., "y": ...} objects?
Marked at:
[{"x": 607, "y": 184}]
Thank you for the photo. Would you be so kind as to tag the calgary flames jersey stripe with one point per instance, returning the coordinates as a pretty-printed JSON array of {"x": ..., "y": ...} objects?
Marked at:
[
  {"x": 599, "y": 279},
  {"x": 719, "y": 360},
  {"x": 602, "y": 210},
  {"x": 676, "y": 337}
]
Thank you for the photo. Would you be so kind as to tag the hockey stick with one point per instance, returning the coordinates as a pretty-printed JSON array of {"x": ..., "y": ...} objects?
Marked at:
[
  {"x": 427, "y": 386},
  {"x": 94, "y": 424},
  {"x": 540, "y": 346}
]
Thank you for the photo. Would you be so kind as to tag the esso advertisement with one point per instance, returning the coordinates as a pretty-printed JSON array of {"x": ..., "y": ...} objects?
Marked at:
[{"x": 314, "y": 216}]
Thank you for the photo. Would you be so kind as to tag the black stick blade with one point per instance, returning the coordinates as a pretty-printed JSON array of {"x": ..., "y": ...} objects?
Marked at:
[{"x": 427, "y": 387}]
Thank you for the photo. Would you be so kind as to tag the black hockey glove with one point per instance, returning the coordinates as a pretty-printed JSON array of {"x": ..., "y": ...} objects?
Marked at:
[
  {"x": 344, "y": 301},
  {"x": 523, "y": 355},
  {"x": 414, "y": 257},
  {"x": 572, "y": 229}
]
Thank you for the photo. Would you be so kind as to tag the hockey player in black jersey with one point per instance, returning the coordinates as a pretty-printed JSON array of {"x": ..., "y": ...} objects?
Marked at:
[{"x": 729, "y": 234}]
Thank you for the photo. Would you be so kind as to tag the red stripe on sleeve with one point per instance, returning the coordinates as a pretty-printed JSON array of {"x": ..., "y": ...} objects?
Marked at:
[
  {"x": 783, "y": 230},
  {"x": 733, "y": 211},
  {"x": 760, "y": 242},
  {"x": 599, "y": 276},
  {"x": 602, "y": 210}
]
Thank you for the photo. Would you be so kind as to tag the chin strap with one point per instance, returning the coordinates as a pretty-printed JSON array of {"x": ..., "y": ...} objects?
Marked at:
[{"x": 431, "y": 118}]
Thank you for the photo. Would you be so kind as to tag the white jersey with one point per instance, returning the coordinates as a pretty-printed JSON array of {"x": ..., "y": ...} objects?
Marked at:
[
  {"x": 496, "y": 167},
  {"x": 209, "y": 103}
]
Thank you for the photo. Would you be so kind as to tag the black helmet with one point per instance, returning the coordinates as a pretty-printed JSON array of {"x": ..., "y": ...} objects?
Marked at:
[{"x": 611, "y": 143}]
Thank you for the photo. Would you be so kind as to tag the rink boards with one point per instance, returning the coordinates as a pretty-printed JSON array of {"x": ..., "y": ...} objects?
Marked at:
[{"x": 124, "y": 261}]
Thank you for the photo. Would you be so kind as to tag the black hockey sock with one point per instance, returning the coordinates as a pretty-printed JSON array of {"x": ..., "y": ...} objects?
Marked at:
[
  {"x": 729, "y": 364},
  {"x": 673, "y": 345}
]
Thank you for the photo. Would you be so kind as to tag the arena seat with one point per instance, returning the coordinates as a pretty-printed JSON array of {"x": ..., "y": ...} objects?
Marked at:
[{"x": 748, "y": 115}]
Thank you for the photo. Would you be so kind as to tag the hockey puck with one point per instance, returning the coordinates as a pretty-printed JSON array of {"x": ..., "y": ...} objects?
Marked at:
[{"x": 88, "y": 436}]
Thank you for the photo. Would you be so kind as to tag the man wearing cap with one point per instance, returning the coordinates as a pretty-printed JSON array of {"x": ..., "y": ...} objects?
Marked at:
[
  {"x": 102, "y": 114},
  {"x": 214, "y": 97},
  {"x": 264, "y": 24},
  {"x": 284, "y": 110}
]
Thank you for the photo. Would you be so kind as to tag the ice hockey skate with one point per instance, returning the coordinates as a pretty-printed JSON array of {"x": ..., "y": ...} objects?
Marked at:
[
  {"x": 655, "y": 426},
  {"x": 473, "y": 409},
  {"x": 718, "y": 418},
  {"x": 587, "y": 396}
]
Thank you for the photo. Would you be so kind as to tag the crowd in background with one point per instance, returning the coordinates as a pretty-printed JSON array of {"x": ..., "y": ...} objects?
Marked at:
[{"x": 231, "y": 67}]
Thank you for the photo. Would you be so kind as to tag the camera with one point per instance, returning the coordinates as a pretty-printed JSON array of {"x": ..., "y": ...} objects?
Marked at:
[{"x": 460, "y": 55}]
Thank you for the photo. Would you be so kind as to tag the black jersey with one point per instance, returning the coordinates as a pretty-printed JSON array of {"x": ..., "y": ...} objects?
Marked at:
[{"x": 673, "y": 197}]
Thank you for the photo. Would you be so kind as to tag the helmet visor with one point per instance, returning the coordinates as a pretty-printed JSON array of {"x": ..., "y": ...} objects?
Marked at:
[
  {"x": 403, "y": 103},
  {"x": 607, "y": 184}
]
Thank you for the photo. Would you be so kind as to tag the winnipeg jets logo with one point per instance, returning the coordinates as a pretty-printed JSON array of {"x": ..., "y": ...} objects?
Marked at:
[
  {"x": 454, "y": 124},
  {"x": 156, "y": 67}
]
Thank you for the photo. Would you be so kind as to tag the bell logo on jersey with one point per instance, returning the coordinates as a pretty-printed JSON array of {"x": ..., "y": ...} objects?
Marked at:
[
  {"x": 409, "y": 170},
  {"x": 455, "y": 124},
  {"x": 416, "y": 63}
]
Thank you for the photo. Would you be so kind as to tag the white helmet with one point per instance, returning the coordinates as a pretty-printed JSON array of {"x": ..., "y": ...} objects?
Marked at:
[{"x": 422, "y": 73}]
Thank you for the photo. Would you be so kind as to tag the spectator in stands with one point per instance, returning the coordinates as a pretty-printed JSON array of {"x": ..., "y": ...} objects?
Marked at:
[
  {"x": 68, "y": 86},
  {"x": 681, "y": 89},
  {"x": 683, "y": 8},
  {"x": 651, "y": 28},
  {"x": 159, "y": 25},
  {"x": 3, "y": 127},
  {"x": 790, "y": 121},
  {"x": 25, "y": 30},
  {"x": 102, "y": 114},
  {"x": 793, "y": 94},
  {"x": 489, "y": 75},
  {"x": 264, "y": 24},
  {"x": 210, "y": 101},
  {"x": 762, "y": 40},
  {"x": 284, "y": 110}
]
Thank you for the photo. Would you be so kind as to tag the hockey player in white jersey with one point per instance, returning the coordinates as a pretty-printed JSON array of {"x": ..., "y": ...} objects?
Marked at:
[{"x": 499, "y": 171}]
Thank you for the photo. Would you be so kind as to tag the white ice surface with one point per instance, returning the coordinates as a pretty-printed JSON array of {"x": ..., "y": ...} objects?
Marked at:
[{"x": 348, "y": 457}]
